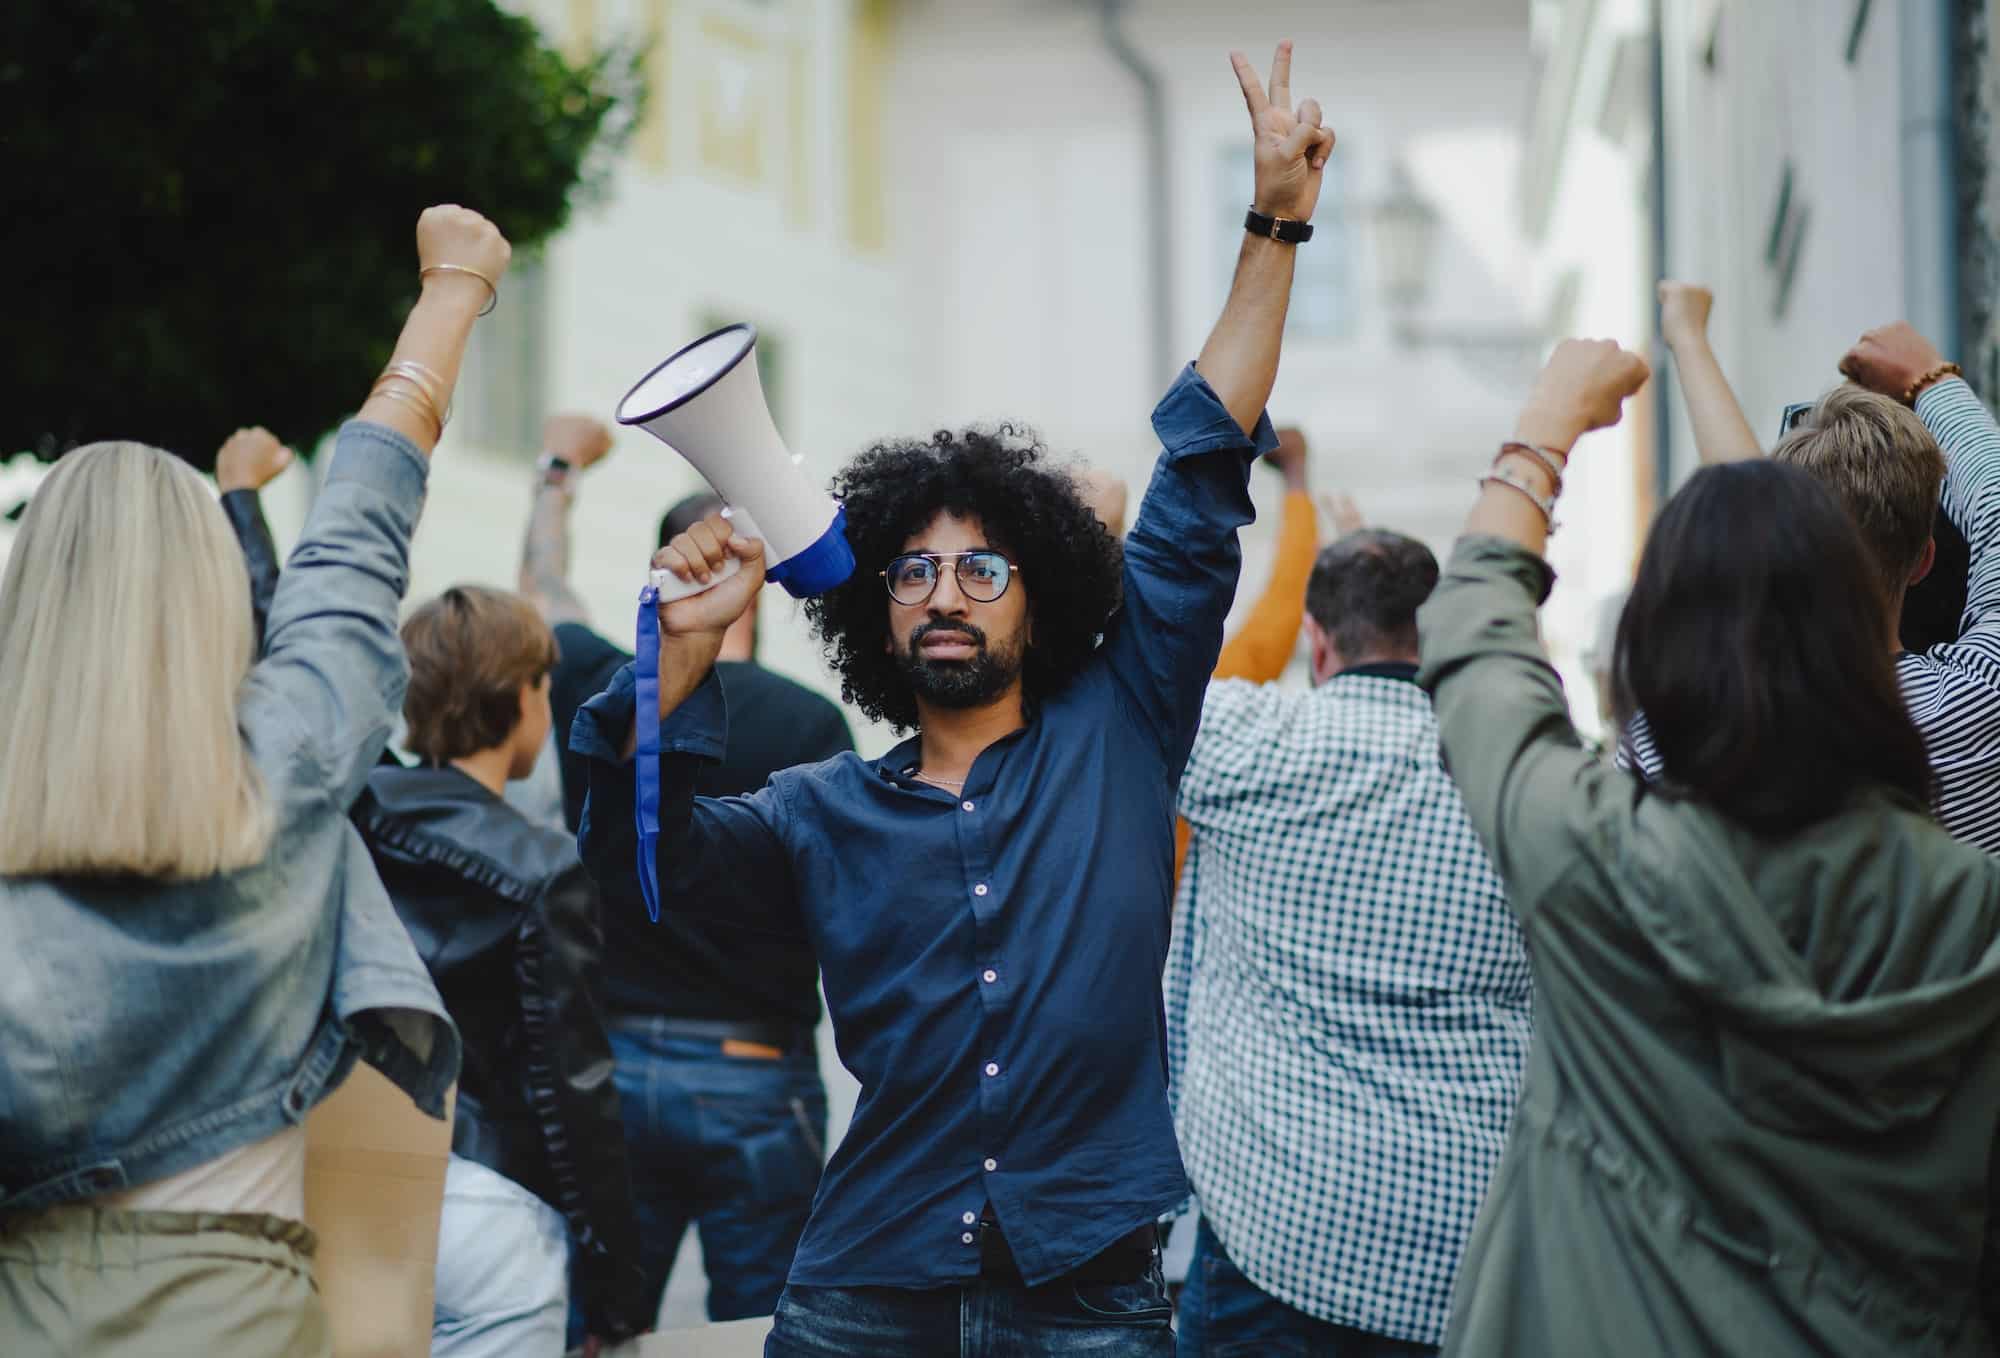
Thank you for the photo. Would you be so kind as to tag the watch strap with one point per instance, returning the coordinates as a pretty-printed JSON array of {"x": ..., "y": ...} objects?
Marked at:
[{"x": 1283, "y": 229}]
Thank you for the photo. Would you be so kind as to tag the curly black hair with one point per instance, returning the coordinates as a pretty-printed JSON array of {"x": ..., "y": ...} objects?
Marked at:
[{"x": 1030, "y": 508}]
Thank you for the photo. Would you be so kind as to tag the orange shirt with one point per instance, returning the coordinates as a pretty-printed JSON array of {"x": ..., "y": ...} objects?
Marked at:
[{"x": 1263, "y": 647}]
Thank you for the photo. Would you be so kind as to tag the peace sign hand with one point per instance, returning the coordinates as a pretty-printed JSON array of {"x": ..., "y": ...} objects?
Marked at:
[{"x": 1292, "y": 145}]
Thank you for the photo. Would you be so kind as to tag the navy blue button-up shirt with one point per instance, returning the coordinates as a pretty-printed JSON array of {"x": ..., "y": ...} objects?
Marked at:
[{"x": 992, "y": 960}]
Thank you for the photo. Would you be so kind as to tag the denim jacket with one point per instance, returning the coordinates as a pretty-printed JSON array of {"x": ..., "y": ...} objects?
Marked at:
[{"x": 151, "y": 1026}]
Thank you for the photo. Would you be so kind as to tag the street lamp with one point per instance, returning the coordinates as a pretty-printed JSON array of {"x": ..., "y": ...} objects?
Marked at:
[{"x": 1406, "y": 229}]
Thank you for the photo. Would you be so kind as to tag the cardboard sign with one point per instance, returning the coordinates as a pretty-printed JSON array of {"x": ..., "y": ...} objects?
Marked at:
[{"x": 374, "y": 1188}]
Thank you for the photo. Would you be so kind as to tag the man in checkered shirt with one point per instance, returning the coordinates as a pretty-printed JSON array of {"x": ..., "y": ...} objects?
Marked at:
[{"x": 1347, "y": 993}]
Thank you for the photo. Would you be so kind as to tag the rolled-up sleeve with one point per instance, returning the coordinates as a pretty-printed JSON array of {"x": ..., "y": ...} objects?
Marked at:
[
  {"x": 1536, "y": 796},
  {"x": 1182, "y": 562}
]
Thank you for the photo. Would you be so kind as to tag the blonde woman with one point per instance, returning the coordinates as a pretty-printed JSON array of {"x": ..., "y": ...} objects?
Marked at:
[{"x": 196, "y": 949}]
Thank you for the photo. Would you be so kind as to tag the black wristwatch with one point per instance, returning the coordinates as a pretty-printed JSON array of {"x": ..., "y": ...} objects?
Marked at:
[
  {"x": 555, "y": 470},
  {"x": 1281, "y": 229}
]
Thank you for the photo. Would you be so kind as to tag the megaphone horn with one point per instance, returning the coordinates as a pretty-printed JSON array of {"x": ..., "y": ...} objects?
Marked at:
[{"x": 707, "y": 404}]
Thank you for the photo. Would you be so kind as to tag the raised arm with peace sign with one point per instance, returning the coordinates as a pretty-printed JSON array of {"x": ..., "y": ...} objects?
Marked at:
[{"x": 1292, "y": 144}]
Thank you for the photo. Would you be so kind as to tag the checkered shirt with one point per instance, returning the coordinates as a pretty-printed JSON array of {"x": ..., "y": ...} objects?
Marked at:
[
  {"x": 1348, "y": 1000},
  {"x": 1952, "y": 690}
]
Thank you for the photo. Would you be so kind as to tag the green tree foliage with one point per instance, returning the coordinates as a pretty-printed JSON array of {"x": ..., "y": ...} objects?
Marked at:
[{"x": 210, "y": 205}]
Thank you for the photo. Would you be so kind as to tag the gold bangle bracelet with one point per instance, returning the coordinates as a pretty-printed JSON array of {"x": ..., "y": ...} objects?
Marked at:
[
  {"x": 419, "y": 401},
  {"x": 419, "y": 375},
  {"x": 491, "y": 302}
]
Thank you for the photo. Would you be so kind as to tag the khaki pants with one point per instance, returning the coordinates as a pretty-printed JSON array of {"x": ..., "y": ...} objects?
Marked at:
[{"x": 78, "y": 1281}]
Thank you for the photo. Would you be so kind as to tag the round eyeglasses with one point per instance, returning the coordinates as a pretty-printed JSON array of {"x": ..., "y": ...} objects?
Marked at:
[{"x": 982, "y": 575}]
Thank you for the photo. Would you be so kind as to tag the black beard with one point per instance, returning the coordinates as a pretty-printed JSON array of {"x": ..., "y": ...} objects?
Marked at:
[{"x": 959, "y": 683}]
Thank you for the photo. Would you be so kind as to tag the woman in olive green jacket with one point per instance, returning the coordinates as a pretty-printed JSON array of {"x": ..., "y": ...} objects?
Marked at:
[{"x": 1761, "y": 1103}]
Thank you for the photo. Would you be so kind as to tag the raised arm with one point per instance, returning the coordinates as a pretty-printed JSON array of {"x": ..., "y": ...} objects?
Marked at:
[
  {"x": 1503, "y": 719},
  {"x": 247, "y": 462},
  {"x": 333, "y": 670},
  {"x": 1240, "y": 360},
  {"x": 1181, "y": 558},
  {"x": 571, "y": 445},
  {"x": 1899, "y": 362},
  {"x": 1721, "y": 434}
]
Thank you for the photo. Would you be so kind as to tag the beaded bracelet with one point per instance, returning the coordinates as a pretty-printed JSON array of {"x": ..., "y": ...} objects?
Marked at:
[{"x": 1937, "y": 374}]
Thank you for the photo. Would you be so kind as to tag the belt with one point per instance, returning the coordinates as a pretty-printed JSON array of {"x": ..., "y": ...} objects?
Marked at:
[
  {"x": 786, "y": 1037},
  {"x": 1124, "y": 1260}
]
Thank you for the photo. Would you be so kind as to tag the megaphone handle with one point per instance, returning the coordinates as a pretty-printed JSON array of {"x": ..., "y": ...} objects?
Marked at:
[{"x": 670, "y": 587}]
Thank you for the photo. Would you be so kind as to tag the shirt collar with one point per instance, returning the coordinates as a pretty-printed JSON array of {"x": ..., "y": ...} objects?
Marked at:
[{"x": 1385, "y": 669}]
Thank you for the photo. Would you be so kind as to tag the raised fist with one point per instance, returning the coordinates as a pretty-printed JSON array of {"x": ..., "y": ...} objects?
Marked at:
[
  {"x": 1684, "y": 309},
  {"x": 250, "y": 459},
  {"x": 579, "y": 440},
  {"x": 1891, "y": 359},
  {"x": 1582, "y": 387},
  {"x": 450, "y": 234}
]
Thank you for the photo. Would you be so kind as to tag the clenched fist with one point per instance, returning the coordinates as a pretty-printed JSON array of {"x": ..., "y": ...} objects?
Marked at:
[
  {"x": 1891, "y": 359},
  {"x": 1684, "y": 309},
  {"x": 580, "y": 440},
  {"x": 457, "y": 236},
  {"x": 1583, "y": 387},
  {"x": 250, "y": 459}
]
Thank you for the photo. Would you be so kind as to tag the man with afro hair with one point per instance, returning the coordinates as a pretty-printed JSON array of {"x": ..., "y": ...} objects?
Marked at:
[{"x": 990, "y": 901}]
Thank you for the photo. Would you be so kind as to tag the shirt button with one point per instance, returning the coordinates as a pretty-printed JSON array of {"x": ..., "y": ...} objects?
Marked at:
[
  {"x": 970, "y": 1218},
  {"x": 992, "y": 1068},
  {"x": 991, "y": 1165},
  {"x": 965, "y": 806},
  {"x": 967, "y": 1237},
  {"x": 990, "y": 976},
  {"x": 979, "y": 890}
]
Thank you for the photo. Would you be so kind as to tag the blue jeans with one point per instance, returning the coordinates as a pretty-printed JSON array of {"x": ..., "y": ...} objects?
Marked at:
[
  {"x": 1225, "y": 1315},
  {"x": 502, "y": 1269},
  {"x": 983, "y": 1320},
  {"x": 733, "y": 1145}
]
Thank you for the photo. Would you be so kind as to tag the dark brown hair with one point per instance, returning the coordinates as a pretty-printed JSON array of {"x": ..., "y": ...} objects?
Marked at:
[
  {"x": 471, "y": 649},
  {"x": 1754, "y": 644}
]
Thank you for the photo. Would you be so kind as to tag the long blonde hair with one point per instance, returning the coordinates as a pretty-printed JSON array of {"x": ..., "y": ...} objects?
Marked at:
[{"x": 125, "y": 634}]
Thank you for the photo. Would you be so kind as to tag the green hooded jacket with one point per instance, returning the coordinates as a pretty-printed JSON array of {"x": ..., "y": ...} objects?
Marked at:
[{"x": 1762, "y": 1096}]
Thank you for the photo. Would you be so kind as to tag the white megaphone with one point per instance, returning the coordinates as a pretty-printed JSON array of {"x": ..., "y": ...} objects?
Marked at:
[{"x": 706, "y": 404}]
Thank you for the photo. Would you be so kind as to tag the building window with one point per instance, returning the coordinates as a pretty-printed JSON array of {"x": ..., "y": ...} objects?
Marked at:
[{"x": 1322, "y": 288}]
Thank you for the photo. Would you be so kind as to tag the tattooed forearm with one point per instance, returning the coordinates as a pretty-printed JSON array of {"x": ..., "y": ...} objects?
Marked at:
[{"x": 545, "y": 559}]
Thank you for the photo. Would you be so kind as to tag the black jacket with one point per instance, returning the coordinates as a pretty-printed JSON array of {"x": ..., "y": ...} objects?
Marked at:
[{"x": 506, "y": 919}]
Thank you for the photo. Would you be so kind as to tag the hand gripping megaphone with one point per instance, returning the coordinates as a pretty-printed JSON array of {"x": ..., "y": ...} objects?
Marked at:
[{"x": 706, "y": 403}]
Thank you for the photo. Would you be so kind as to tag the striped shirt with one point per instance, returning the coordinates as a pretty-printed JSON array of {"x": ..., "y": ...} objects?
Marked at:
[
  {"x": 1348, "y": 999},
  {"x": 1953, "y": 690}
]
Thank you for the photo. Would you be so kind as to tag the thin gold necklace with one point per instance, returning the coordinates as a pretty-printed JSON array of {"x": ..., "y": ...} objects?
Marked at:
[{"x": 948, "y": 784}]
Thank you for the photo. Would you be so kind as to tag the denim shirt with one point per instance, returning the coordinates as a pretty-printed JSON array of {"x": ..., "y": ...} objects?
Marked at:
[
  {"x": 151, "y": 1026},
  {"x": 991, "y": 960}
]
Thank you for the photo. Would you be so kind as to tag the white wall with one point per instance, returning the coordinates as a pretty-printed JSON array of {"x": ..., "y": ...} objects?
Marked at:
[
  {"x": 1781, "y": 89},
  {"x": 1024, "y": 220}
]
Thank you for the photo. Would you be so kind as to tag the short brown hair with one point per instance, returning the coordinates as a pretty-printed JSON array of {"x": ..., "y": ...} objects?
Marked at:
[
  {"x": 1877, "y": 457},
  {"x": 471, "y": 649}
]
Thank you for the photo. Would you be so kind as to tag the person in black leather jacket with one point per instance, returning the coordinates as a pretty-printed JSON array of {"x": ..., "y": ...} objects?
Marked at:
[{"x": 505, "y": 917}]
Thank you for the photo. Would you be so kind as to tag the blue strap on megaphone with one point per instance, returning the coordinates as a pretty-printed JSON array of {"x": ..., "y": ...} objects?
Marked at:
[{"x": 646, "y": 754}]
